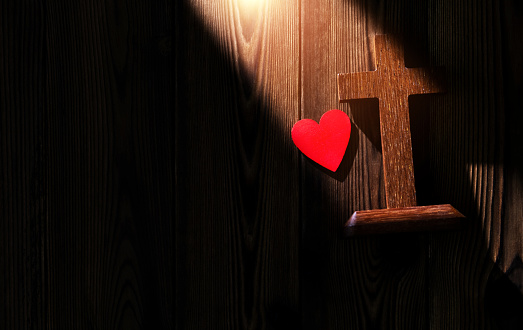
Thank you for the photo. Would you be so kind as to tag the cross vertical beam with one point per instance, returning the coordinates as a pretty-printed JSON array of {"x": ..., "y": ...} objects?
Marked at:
[{"x": 392, "y": 83}]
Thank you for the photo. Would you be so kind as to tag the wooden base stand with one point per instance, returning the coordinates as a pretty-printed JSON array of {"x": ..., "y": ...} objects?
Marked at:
[{"x": 404, "y": 219}]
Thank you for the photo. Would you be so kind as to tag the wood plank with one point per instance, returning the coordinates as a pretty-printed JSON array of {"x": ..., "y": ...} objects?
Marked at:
[
  {"x": 237, "y": 173},
  {"x": 465, "y": 142},
  {"x": 23, "y": 167},
  {"x": 368, "y": 283},
  {"x": 110, "y": 165}
]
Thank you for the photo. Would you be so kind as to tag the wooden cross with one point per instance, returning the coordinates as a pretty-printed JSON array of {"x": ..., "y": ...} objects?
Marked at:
[{"x": 392, "y": 83}]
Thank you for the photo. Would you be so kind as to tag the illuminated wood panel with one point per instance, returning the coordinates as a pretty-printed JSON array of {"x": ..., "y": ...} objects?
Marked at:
[{"x": 238, "y": 178}]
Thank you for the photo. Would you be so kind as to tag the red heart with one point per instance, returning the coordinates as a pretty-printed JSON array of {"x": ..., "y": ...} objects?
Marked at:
[{"x": 324, "y": 143}]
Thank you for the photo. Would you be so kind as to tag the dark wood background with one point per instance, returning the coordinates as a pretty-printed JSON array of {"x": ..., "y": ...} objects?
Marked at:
[{"x": 148, "y": 179}]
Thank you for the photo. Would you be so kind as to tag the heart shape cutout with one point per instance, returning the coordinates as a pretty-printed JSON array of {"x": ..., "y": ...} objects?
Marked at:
[{"x": 326, "y": 142}]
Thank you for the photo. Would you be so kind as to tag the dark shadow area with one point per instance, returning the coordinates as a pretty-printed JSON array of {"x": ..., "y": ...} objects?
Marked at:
[
  {"x": 366, "y": 116},
  {"x": 281, "y": 317},
  {"x": 504, "y": 301},
  {"x": 511, "y": 14},
  {"x": 107, "y": 241},
  {"x": 420, "y": 129}
]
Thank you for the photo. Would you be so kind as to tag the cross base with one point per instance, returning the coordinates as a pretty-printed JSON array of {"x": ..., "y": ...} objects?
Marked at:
[{"x": 404, "y": 219}]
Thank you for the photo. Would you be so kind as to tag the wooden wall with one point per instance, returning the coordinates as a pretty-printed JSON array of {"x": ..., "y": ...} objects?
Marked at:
[{"x": 148, "y": 179}]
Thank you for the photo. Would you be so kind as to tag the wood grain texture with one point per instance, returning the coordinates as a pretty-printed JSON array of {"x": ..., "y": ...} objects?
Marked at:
[
  {"x": 237, "y": 180},
  {"x": 405, "y": 219},
  {"x": 110, "y": 166},
  {"x": 23, "y": 167},
  {"x": 132, "y": 198}
]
